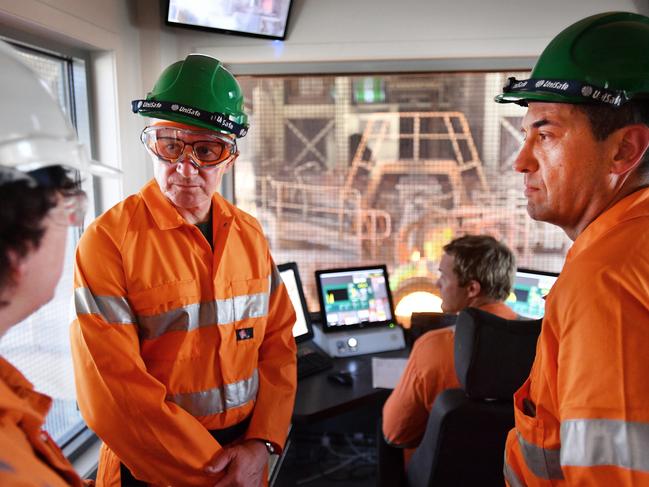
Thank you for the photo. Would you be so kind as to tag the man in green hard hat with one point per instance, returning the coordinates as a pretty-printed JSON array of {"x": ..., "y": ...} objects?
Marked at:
[
  {"x": 582, "y": 418},
  {"x": 182, "y": 343}
]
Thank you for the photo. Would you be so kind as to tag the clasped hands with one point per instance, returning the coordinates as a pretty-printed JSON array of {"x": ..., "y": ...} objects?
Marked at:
[{"x": 244, "y": 464}]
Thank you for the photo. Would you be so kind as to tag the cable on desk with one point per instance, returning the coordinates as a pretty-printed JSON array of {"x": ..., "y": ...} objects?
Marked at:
[{"x": 354, "y": 462}]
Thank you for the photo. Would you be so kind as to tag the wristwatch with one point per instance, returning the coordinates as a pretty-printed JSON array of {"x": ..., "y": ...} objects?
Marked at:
[{"x": 269, "y": 447}]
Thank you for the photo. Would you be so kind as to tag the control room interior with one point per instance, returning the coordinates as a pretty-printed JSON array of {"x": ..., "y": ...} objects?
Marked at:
[{"x": 373, "y": 141}]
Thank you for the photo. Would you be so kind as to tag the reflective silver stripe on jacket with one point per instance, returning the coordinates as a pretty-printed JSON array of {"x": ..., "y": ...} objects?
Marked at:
[
  {"x": 591, "y": 442},
  {"x": 219, "y": 399},
  {"x": 542, "y": 462},
  {"x": 186, "y": 318},
  {"x": 113, "y": 309},
  {"x": 190, "y": 317},
  {"x": 510, "y": 476}
]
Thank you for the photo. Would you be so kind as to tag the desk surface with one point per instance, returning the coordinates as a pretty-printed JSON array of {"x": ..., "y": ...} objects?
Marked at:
[{"x": 319, "y": 398}]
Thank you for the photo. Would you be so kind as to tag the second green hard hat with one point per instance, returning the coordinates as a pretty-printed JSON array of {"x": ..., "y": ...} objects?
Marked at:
[
  {"x": 197, "y": 91},
  {"x": 600, "y": 59}
]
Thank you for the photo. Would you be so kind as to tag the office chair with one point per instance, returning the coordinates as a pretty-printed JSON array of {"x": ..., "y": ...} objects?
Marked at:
[
  {"x": 423, "y": 322},
  {"x": 464, "y": 441}
]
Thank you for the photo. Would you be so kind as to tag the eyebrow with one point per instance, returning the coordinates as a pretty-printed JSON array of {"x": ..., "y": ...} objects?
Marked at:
[
  {"x": 542, "y": 122},
  {"x": 539, "y": 123}
]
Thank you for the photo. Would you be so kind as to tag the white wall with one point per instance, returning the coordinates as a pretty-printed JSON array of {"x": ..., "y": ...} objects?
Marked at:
[
  {"x": 130, "y": 45},
  {"x": 106, "y": 29},
  {"x": 384, "y": 30}
]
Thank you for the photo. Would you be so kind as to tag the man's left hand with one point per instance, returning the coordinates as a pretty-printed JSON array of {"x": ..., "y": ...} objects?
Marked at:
[{"x": 244, "y": 464}]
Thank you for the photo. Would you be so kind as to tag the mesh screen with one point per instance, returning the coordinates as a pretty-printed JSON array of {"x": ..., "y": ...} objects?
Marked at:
[{"x": 354, "y": 170}]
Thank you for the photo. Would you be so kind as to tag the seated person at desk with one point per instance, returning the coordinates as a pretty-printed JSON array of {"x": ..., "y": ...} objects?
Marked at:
[{"x": 475, "y": 271}]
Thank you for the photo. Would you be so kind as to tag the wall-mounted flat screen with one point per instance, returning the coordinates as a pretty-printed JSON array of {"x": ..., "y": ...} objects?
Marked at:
[{"x": 255, "y": 18}]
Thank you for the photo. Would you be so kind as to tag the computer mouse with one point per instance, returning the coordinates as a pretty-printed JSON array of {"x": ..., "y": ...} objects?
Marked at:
[{"x": 342, "y": 377}]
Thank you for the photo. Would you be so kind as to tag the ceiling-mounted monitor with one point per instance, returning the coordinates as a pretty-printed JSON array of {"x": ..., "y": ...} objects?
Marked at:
[{"x": 255, "y": 18}]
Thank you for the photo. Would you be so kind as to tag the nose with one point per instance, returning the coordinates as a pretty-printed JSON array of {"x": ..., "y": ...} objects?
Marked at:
[
  {"x": 525, "y": 160},
  {"x": 185, "y": 168},
  {"x": 184, "y": 165}
]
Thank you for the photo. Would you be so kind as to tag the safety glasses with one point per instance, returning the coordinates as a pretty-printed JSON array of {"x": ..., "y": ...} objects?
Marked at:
[
  {"x": 71, "y": 209},
  {"x": 208, "y": 149}
]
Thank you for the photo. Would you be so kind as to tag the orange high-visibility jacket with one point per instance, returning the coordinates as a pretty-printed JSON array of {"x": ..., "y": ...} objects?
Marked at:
[
  {"x": 582, "y": 418},
  {"x": 173, "y": 339},
  {"x": 28, "y": 456}
]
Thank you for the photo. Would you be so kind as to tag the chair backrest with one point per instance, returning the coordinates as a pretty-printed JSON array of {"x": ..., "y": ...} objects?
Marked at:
[
  {"x": 466, "y": 431},
  {"x": 425, "y": 321},
  {"x": 493, "y": 356}
]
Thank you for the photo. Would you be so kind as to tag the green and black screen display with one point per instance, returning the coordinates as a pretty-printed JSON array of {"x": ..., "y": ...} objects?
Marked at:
[
  {"x": 355, "y": 297},
  {"x": 528, "y": 293}
]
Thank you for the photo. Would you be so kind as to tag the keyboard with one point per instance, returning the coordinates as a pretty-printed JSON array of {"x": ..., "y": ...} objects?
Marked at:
[{"x": 311, "y": 363}]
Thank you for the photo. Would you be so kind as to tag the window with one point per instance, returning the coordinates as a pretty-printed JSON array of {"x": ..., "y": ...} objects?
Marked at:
[
  {"x": 358, "y": 170},
  {"x": 40, "y": 345}
]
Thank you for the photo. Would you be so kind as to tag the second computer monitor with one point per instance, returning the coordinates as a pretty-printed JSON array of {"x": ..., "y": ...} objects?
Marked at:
[
  {"x": 302, "y": 330},
  {"x": 355, "y": 297},
  {"x": 529, "y": 291}
]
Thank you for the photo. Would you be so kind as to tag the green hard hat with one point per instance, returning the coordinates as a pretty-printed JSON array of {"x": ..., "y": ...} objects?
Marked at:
[
  {"x": 197, "y": 91},
  {"x": 601, "y": 59}
]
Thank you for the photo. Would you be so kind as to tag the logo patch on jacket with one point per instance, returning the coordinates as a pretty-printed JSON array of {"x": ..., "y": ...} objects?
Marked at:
[{"x": 244, "y": 334}]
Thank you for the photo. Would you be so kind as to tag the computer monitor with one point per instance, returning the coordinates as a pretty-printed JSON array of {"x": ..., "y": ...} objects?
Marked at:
[
  {"x": 302, "y": 330},
  {"x": 356, "y": 297},
  {"x": 528, "y": 293}
]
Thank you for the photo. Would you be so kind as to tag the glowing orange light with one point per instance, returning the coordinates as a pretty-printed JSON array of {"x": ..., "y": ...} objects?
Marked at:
[{"x": 417, "y": 302}]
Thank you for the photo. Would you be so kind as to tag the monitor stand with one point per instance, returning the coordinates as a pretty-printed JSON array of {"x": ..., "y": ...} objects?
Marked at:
[{"x": 347, "y": 343}]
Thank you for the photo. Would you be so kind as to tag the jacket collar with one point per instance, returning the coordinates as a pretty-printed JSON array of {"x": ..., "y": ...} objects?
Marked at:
[
  {"x": 19, "y": 399},
  {"x": 632, "y": 206},
  {"x": 499, "y": 309},
  {"x": 167, "y": 217}
]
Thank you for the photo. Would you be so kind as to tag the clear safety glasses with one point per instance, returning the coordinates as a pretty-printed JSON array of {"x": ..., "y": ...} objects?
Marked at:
[
  {"x": 71, "y": 209},
  {"x": 208, "y": 149}
]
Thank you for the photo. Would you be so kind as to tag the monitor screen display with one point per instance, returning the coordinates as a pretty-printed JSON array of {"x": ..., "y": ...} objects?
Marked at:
[
  {"x": 528, "y": 293},
  {"x": 261, "y": 18},
  {"x": 355, "y": 297},
  {"x": 291, "y": 277}
]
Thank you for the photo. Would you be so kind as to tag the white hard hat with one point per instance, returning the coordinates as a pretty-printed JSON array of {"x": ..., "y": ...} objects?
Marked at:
[{"x": 34, "y": 132}]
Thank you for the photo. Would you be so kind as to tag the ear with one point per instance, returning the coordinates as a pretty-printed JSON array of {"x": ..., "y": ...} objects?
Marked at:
[
  {"x": 632, "y": 143},
  {"x": 230, "y": 163},
  {"x": 473, "y": 289},
  {"x": 18, "y": 267}
]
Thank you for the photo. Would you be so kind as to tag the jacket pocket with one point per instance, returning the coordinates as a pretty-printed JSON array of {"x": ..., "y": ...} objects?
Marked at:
[
  {"x": 250, "y": 305},
  {"x": 526, "y": 423},
  {"x": 540, "y": 455},
  {"x": 166, "y": 314},
  {"x": 244, "y": 334},
  {"x": 165, "y": 297}
]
